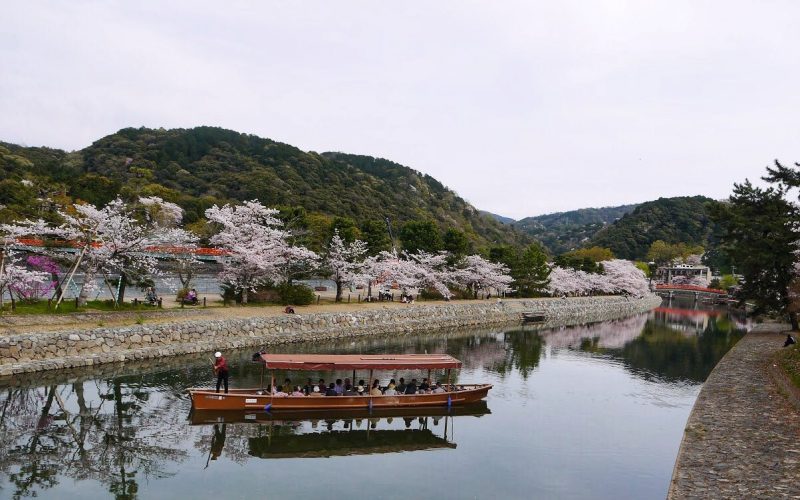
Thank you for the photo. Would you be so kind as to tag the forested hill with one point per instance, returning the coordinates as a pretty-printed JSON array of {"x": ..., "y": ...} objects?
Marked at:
[
  {"x": 199, "y": 167},
  {"x": 673, "y": 220},
  {"x": 564, "y": 231}
]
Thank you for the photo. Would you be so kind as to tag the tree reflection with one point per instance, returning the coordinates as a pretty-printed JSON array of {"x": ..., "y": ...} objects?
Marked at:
[{"x": 115, "y": 438}]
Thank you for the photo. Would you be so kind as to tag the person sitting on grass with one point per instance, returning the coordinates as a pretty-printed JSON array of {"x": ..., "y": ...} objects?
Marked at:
[{"x": 191, "y": 297}]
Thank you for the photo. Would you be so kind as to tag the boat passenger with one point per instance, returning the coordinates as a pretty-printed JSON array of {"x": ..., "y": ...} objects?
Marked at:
[
  {"x": 401, "y": 387},
  {"x": 438, "y": 389},
  {"x": 376, "y": 388},
  {"x": 331, "y": 390},
  {"x": 360, "y": 390},
  {"x": 315, "y": 392},
  {"x": 287, "y": 386},
  {"x": 349, "y": 390},
  {"x": 339, "y": 387},
  {"x": 424, "y": 386},
  {"x": 298, "y": 393},
  {"x": 411, "y": 388},
  {"x": 362, "y": 385},
  {"x": 322, "y": 386},
  {"x": 390, "y": 390},
  {"x": 308, "y": 387},
  {"x": 280, "y": 393}
]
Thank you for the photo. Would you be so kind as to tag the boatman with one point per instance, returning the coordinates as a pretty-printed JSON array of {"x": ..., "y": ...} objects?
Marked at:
[{"x": 221, "y": 370}]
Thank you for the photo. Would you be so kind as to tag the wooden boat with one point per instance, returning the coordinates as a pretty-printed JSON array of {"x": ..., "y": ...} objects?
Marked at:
[
  {"x": 261, "y": 399},
  {"x": 534, "y": 317}
]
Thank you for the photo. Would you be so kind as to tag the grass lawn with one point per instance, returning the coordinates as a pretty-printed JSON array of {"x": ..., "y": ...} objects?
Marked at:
[
  {"x": 68, "y": 306},
  {"x": 789, "y": 359}
]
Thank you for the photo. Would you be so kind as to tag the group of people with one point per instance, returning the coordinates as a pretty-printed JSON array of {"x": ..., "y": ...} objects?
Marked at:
[{"x": 346, "y": 388}]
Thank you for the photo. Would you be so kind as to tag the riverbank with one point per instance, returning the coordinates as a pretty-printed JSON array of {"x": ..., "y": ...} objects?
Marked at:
[
  {"x": 49, "y": 350},
  {"x": 741, "y": 438}
]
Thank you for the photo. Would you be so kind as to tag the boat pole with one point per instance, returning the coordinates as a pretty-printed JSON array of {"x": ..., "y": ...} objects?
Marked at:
[{"x": 369, "y": 385}]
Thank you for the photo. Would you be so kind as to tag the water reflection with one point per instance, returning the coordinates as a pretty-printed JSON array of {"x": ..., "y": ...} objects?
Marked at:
[{"x": 123, "y": 431}]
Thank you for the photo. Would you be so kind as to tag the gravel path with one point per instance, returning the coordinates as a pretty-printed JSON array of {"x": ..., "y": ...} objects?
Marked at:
[{"x": 741, "y": 440}]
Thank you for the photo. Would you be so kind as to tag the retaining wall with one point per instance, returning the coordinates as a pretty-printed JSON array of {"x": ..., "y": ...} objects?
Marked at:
[{"x": 69, "y": 349}]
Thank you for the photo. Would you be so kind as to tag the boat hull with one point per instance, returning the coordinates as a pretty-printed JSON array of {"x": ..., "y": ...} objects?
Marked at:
[{"x": 250, "y": 399}]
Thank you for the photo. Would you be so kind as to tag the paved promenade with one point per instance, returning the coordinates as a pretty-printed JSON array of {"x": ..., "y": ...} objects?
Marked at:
[{"x": 742, "y": 439}]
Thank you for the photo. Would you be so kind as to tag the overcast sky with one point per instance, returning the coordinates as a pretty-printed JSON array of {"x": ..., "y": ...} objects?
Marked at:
[{"x": 522, "y": 108}]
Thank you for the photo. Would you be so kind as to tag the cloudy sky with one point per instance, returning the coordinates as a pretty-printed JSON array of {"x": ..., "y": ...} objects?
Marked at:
[{"x": 522, "y": 107}]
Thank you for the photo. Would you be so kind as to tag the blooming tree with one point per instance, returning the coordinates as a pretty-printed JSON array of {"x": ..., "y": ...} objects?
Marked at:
[
  {"x": 258, "y": 252},
  {"x": 431, "y": 270},
  {"x": 15, "y": 276},
  {"x": 112, "y": 239},
  {"x": 475, "y": 273},
  {"x": 345, "y": 262},
  {"x": 626, "y": 278},
  {"x": 620, "y": 277}
]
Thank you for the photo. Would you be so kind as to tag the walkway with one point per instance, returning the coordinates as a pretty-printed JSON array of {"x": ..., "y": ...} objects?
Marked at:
[{"x": 742, "y": 439}]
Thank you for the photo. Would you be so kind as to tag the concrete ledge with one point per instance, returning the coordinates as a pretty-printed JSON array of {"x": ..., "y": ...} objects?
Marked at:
[{"x": 75, "y": 348}]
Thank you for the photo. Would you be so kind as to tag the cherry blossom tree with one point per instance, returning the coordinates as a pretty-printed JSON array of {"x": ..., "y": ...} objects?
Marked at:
[
  {"x": 258, "y": 252},
  {"x": 344, "y": 262},
  {"x": 13, "y": 274},
  {"x": 619, "y": 277},
  {"x": 113, "y": 240},
  {"x": 475, "y": 273},
  {"x": 626, "y": 278},
  {"x": 431, "y": 270}
]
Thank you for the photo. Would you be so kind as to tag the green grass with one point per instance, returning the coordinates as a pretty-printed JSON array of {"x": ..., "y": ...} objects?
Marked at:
[
  {"x": 789, "y": 359},
  {"x": 68, "y": 306}
]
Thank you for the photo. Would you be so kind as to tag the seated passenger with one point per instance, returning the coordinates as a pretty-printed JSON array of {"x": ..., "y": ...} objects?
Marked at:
[
  {"x": 349, "y": 391},
  {"x": 390, "y": 390},
  {"x": 280, "y": 393},
  {"x": 298, "y": 392},
  {"x": 401, "y": 387},
  {"x": 322, "y": 386},
  {"x": 360, "y": 390},
  {"x": 424, "y": 386},
  {"x": 339, "y": 387},
  {"x": 376, "y": 388},
  {"x": 308, "y": 387},
  {"x": 411, "y": 388},
  {"x": 331, "y": 390},
  {"x": 315, "y": 392},
  {"x": 362, "y": 385},
  {"x": 438, "y": 389}
]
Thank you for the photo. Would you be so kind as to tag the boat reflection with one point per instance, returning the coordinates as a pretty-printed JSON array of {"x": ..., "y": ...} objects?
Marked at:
[{"x": 336, "y": 433}]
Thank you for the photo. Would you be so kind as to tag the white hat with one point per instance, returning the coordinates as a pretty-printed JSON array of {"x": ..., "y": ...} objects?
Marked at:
[
  {"x": 217, "y": 354},
  {"x": 316, "y": 388}
]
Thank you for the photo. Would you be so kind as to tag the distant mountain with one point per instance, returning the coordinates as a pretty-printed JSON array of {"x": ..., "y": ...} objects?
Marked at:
[
  {"x": 564, "y": 231},
  {"x": 682, "y": 219},
  {"x": 201, "y": 166},
  {"x": 499, "y": 218}
]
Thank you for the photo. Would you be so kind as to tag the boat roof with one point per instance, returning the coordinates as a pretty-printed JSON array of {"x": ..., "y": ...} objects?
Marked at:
[{"x": 321, "y": 362}]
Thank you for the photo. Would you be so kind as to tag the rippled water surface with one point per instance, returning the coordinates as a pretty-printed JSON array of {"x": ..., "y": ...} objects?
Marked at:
[{"x": 595, "y": 411}]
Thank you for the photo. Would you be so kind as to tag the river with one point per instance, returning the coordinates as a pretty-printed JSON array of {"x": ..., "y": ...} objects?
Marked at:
[{"x": 594, "y": 411}]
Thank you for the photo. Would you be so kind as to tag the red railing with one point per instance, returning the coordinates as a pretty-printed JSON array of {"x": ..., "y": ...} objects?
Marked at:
[
  {"x": 691, "y": 288},
  {"x": 35, "y": 242}
]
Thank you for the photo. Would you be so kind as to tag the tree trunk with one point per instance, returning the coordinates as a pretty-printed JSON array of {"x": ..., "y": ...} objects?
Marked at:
[
  {"x": 244, "y": 296},
  {"x": 88, "y": 278},
  {"x": 338, "y": 290},
  {"x": 793, "y": 320}
]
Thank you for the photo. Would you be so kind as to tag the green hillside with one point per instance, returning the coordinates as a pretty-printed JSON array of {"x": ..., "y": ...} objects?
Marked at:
[
  {"x": 682, "y": 219},
  {"x": 564, "y": 231},
  {"x": 205, "y": 165}
]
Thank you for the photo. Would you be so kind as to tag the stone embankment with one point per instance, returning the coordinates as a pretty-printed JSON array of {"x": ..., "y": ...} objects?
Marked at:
[
  {"x": 741, "y": 437},
  {"x": 68, "y": 349}
]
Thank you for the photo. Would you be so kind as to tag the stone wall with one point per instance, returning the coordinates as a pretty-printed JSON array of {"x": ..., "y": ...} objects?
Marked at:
[{"x": 68, "y": 349}]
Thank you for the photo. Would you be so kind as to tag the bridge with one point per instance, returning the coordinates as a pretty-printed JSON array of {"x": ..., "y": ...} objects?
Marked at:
[{"x": 670, "y": 290}]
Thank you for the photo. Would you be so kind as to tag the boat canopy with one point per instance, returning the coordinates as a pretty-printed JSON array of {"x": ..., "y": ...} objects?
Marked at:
[{"x": 331, "y": 362}]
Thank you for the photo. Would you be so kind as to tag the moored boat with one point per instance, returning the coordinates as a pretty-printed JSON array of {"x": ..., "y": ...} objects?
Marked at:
[{"x": 263, "y": 399}]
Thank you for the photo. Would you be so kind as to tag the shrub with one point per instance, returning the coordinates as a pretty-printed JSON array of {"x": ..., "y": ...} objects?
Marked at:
[{"x": 299, "y": 295}]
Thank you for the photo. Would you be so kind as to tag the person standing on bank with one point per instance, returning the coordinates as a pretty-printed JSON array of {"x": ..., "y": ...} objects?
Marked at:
[{"x": 221, "y": 370}]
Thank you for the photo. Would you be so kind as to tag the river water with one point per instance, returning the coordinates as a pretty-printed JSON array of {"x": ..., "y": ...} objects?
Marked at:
[{"x": 595, "y": 411}]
